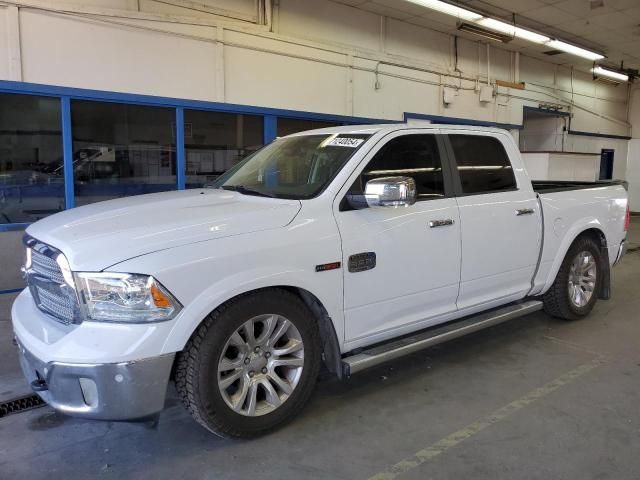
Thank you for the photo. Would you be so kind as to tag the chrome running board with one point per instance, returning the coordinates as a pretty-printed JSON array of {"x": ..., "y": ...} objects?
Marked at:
[{"x": 405, "y": 345}]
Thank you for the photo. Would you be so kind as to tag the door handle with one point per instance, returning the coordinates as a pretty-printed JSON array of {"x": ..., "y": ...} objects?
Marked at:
[
  {"x": 525, "y": 211},
  {"x": 441, "y": 223}
]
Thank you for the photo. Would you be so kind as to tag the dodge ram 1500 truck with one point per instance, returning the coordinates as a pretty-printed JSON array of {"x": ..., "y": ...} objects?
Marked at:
[{"x": 347, "y": 246}]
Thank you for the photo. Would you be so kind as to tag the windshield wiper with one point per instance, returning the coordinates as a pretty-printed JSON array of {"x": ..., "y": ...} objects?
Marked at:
[{"x": 247, "y": 191}]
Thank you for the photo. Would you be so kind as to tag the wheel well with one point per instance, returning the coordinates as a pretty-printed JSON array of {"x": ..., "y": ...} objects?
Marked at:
[
  {"x": 596, "y": 234},
  {"x": 331, "y": 355}
]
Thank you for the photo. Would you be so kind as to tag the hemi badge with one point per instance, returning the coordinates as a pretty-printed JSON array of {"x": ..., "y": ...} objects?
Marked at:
[
  {"x": 327, "y": 266},
  {"x": 361, "y": 262}
]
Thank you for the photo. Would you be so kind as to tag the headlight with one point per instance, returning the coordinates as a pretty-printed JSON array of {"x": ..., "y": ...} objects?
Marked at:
[{"x": 124, "y": 297}]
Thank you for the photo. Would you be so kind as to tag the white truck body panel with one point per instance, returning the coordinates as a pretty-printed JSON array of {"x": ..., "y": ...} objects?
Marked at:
[
  {"x": 499, "y": 249},
  {"x": 569, "y": 213},
  {"x": 208, "y": 246},
  {"x": 96, "y": 236}
]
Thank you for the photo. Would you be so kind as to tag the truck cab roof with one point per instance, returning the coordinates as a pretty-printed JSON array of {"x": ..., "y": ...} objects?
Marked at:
[{"x": 393, "y": 127}]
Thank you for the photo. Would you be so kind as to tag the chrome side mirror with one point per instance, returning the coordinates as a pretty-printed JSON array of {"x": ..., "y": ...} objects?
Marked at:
[{"x": 390, "y": 192}]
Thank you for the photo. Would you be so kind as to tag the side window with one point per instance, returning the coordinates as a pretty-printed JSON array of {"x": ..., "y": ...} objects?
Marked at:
[
  {"x": 483, "y": 164},
  {"x": 415, "y": 156}
]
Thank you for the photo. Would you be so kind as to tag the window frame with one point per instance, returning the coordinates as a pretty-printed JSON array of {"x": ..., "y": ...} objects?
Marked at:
[
  {"x": 447, "y": 174},
  {"x": 66, "y": 95},
  {"x": 457, "y": 182}
]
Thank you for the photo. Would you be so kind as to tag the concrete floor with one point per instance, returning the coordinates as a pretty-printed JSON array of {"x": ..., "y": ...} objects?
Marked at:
[{"x": 535, "y": 398}]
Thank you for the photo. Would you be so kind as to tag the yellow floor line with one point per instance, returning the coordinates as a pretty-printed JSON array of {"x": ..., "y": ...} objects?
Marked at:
[
  {"x": 576, "y": 346},
  {"x": 455, "y": 438}
]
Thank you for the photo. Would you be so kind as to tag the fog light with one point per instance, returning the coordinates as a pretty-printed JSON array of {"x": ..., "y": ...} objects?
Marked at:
[{"x": 89, "y": 392}]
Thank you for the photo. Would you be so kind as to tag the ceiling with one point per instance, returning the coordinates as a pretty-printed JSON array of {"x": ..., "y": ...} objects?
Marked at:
[{"x": 609, "y": 26}]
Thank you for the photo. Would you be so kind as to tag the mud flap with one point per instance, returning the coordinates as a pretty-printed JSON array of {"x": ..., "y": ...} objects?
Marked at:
[{"x": 605, "y": 268}]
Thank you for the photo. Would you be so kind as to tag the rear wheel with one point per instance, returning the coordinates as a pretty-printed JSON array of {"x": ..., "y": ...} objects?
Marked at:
[
  {"x": 574, "y": 292},
  {"x": 252, "y": 365}
]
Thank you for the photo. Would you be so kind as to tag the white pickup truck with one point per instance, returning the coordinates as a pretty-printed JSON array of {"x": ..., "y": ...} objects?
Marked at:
[{"x": 347, "y": 246}]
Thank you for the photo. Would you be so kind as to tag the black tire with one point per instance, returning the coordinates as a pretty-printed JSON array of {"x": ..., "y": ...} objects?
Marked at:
[
  {"x": 556, "y": 300},
  {"x": 198, "y": 388}
]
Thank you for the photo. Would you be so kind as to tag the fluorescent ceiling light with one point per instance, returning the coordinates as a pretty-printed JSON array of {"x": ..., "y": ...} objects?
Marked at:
[
  {"x": 484, "y": 32},
  {"x": 572, "y": 49},
  {"x": 610, "y": 73},
  {"x": 448, "y": 9},
  {"x": 506, "y": 28},
  {"x": 512, "y": 30}
]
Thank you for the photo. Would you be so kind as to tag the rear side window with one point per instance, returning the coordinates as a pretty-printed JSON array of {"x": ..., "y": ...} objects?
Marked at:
[
  {"x": 415, "y": 156},
  {"x": 483, "y": 164}
]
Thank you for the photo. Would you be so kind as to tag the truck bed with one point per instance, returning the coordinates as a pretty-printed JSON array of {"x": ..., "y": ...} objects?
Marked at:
[{"x": 549, "y": 186}]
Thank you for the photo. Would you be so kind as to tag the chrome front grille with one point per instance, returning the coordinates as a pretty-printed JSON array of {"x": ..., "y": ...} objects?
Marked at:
[
  {"x": 46, "y": 282},
  {"x": 60, "y": 306},
  {"x": 46, "y": 266}
]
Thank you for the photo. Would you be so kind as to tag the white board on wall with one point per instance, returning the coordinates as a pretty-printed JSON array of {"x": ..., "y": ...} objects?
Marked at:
[
  {"x": 562, "y": 166},
  {"x": 537, "y": 165},
  {"x": 80, "y": 53}
]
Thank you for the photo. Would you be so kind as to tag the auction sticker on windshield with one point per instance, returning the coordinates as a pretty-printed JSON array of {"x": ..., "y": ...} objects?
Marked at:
[{"x": 345, "y": 142}]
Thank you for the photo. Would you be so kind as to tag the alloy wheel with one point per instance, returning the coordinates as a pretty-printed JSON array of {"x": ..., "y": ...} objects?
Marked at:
[
  {"x": 260, "y": 365},
  {"x": 582, "y": 279}
]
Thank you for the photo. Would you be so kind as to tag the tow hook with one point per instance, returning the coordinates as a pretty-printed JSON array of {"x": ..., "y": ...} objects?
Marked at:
[{"x": 39, "y": 384}]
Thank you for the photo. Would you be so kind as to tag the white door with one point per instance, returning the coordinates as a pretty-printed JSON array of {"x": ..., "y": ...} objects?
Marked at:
[
  {"x": 417, "y": 266},
  {"x": 499, "y": 220}
]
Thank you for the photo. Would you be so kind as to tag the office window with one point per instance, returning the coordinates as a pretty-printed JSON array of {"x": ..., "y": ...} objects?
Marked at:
[
  {"x": 215, "y": 142},
  {"x": 287, "y": 126},
  {"x": 483, "y": 164},
  {"x": 121, "y": 150},
  {"x": 31, "y": 171},
  {"x": 415, "y": 156}
]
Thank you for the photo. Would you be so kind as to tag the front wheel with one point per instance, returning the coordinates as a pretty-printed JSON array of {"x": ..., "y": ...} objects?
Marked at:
[
  {"x": 252, "y": 365},
  {"x": 574, "y": 292}
]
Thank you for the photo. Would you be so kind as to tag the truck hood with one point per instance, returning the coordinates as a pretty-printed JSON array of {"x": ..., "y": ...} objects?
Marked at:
[{"x": 97, "y": 236}]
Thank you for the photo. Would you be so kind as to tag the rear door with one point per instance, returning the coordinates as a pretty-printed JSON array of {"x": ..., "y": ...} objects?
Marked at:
[
  {"x": 401, "y": 264},
  {"x": 499, "y": 220}
]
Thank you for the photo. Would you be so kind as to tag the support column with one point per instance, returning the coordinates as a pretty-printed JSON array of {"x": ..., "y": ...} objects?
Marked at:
[
  {"x": 633, "y": 154},
  {"x": 181, "y": 163},
  {"x": 270, "y": 128},
  {"x": 13, "y": 43},
  {"x": 67, "y": 153},
  {"x": 219, "y": 65}
]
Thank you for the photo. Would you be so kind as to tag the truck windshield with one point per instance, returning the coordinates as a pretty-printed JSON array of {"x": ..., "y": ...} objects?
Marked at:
[{"x": 293, "y": 167}]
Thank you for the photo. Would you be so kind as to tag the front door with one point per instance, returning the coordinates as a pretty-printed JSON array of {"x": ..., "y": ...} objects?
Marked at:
[
  {"x": 500, "y": 221},
  {"x": 401, "y": 264}
]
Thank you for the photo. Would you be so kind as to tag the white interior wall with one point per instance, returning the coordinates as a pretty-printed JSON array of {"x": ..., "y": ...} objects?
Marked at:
[
  {"x": 574, "y": 167},
  {"x": 81, "y": 53},
  {"x": 4, "y": 45},
  {"x": 562, "y": 166},
  {"x": 585, "y": 144},
  {"x": 537, "y": 165},
  {"x": 542, "y": 133},
  {"x": 317, "y": 55},
  {"x": 633, "y": 157}
]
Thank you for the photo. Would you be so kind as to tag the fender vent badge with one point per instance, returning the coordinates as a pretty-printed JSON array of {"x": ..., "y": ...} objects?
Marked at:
[{"x": 361, "y": 262}]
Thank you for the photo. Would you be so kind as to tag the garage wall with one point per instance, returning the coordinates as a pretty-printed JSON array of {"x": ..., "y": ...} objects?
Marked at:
[
  {"x": 633, "y": 158},
  {"x": 4, "y": 47},
  {"x": 310, "y": 55},
  {"x": 95, "y": 55},
  {"x": 317, "y": 55}
]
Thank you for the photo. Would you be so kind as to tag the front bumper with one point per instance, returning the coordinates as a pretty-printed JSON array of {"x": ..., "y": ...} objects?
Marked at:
[{"x": 109, "y": 391}]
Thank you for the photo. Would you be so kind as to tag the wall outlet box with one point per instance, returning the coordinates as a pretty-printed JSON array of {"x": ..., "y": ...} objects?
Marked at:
[
  {"x": 486, "y": 93},
  {"x": 449, "y": 95}
]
